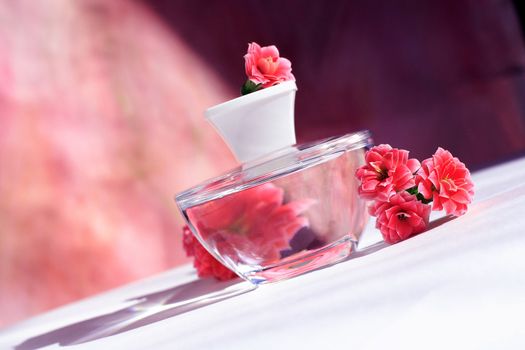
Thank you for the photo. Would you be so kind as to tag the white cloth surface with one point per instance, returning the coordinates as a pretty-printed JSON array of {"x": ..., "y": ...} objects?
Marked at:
[{"x": 460, "y": 285}]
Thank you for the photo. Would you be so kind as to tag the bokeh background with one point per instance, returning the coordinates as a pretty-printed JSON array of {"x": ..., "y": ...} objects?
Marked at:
[{"x": 101, "y": 113}]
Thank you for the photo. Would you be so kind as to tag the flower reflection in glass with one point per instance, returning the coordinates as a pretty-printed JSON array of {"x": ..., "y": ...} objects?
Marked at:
[{"x": 252, "y": 225}]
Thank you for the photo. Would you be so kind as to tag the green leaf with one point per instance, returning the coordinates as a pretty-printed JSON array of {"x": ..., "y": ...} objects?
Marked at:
[
  {"x": 423, "y": 199},
  {"x": 249, "y": 87},
  {"x": 419, "y": 196},
  {"x": 412, "y": 190}
]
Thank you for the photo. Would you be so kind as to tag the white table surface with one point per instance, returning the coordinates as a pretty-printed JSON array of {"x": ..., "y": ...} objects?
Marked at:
[{"x": 460, "y": 285}]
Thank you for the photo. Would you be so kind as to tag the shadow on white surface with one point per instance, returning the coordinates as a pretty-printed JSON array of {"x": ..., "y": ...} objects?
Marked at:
[
  {"x": 161, "y": 305},
  {"x": 377, "y": 246},
  {"x": 438, "y": 222},
  {"x": 149, "y": 309}
]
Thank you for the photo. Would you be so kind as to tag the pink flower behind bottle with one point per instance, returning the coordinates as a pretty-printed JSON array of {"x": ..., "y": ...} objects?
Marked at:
[
  {"x": 253, "y": 223},
  {"x": 447, "y": 181},
  {"x": 205, "y": 264}
]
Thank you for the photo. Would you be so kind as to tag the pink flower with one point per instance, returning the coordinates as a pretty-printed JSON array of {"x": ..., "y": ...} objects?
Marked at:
[
  {"x": 447, "y": 181},
  {"x": 401, "y": 217},
  {"x": 253, "y": 223},
  {"x": 264, "y": 66},
  {"x": 204, "y": 262},
  {"x": 387, "y": 171}
]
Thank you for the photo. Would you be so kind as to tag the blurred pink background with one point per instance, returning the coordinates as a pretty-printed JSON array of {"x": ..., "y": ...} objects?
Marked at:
[
  {"x": 100, "y": 125},
  {"x": 101, "y": 114}
]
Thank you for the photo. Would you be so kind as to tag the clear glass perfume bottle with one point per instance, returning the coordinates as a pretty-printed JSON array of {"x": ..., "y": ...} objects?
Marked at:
[{"x": 283, "y": 214}]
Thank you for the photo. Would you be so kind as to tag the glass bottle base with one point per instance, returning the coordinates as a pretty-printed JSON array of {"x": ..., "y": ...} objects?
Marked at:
[
  {"x": 305, "y": 262},
  {"x": 285, "y": 214}
]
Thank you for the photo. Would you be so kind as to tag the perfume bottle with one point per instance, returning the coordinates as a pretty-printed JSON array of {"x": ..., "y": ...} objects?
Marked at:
[{"x": 288, "y": 208}]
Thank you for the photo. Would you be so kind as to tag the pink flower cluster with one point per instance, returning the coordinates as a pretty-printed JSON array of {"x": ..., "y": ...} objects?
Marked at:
[
  {"x": 402, "y": 189},
  {"x": 205, "y": 264}
]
